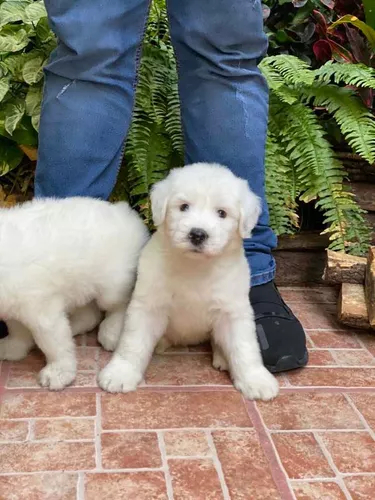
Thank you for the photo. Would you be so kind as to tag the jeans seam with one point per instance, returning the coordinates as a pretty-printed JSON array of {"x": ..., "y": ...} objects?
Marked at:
[{"x": 134, "y": 85}]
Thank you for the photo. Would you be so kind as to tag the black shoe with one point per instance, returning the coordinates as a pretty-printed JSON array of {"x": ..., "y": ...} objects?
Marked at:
[
  {"x": 280, "y": 334},
  {"x": 3, "y": 330}
]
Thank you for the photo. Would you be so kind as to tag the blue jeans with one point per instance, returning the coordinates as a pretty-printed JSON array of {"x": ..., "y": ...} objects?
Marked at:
[{"x": 89, "y": 95}]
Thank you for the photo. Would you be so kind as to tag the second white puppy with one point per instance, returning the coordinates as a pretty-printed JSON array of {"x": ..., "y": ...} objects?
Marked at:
[
  {"x": 193, "y": 281},
  {"x": 59, "y": 261}
]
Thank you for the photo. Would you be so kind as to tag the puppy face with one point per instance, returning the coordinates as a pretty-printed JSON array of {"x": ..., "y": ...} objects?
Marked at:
[{"x": 203, "y": 208}]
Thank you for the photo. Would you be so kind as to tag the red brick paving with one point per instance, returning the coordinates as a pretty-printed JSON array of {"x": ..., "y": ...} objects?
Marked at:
[{"x": 187, "y": 434}]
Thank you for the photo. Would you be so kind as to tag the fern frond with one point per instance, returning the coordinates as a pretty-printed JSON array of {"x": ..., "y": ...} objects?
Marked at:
[
  {"x": 357, "y": 124},
  {"x": 358, "y": 75},
  {"x": 291, "y": 69},
  {"x": 280, "y": 189},
  {"x": 321, "y": 176}
]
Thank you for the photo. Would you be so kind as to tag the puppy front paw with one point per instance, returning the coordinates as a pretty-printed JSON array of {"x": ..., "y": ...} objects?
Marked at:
[
  {"x": 108, "y": 336},
  {"x": 56, "y": 376},
  {"x": 258, "y": 384},
  {"x": 119, "y": 376}
]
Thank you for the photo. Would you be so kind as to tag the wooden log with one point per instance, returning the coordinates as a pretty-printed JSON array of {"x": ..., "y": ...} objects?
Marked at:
[
  {"x": 364, "y": 194},
  {"x": 306, "y": 240},
  {"x": 352, "y": 309},
  {"x": 299, "y": 268},
  {"x": 343, "y": 268},
  {"x": 370, "y": 286}
]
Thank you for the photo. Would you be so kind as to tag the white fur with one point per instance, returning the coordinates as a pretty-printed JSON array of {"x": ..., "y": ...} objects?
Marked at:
[
  {"x": 60, "y": 262},
  {"x": 184, "y": 295}
]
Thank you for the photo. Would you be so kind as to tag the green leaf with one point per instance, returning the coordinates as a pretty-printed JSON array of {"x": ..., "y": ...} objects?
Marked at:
[
  {"x": 12, "y": 40},
  {"x": 32, "y": 71},
  {"x": 363, "y": 27},
  {"x": 35, "y": 11},
  {"x": 33, "y": 100},
  {"x": 11, "y": 12},
  {"x": 10, "y": 156},
  {"x": 35, "y": 121},
  {"x": 4, "y": 87},
  {"x": 25, "y": 133},
  {"x": 43, "y": 31},
  {"x": 14, "y": 112}
]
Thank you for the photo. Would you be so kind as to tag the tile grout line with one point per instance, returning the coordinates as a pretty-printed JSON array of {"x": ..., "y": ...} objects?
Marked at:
[
  {"x": 98, "y": 430},
  {"x": 332, "y": 464},
  {"x": 276, "y": 467},
  {"x": 360, "y": 416},
  {"x": 164, "y": 460},
  {"x": 362, "y": 344},
  {"x": 31, "y": 433},
  {"x": 217, "y": 465},
  {"x": 80, "y": 486}
]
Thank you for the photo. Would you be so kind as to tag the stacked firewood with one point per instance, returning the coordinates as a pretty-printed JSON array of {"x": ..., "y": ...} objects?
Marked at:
[{"x": 356, "y": 276}]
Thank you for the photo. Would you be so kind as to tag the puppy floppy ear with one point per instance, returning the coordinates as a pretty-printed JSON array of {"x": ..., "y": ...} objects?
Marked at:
[
  {"x": 250, "y": 210},
  {"x": 159, "y": 201}
]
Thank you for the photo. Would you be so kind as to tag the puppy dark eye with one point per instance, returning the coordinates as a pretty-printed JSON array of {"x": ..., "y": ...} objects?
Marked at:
[
  {"x": 222, "y": 214},
  {"x": 184, "y": 207}
]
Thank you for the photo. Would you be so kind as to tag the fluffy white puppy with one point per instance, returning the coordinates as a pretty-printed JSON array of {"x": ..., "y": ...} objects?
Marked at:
[
  {"x": 193, "y": 281},
  {"x": 60, "y": 262}
]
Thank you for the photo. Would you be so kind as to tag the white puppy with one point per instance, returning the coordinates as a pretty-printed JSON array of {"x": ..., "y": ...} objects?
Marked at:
[
  {"x": 193, "y": 281},
  {"x": 60, "y": 262}
]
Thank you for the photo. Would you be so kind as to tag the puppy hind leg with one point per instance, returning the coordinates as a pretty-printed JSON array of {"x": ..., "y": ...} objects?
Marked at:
[
  {"x": 143, "y": 329},
  {"x": 115, "y": 305},
  {"x": 218, "y": 359},
  {"x": 18, "y": 343},
  {"x": 53, "y": 335},
  {"x": 85, "y": 319}
]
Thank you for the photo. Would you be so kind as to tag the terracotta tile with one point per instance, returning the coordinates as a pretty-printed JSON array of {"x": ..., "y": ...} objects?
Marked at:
[
  {"x": 195, "y": 479},
  {"x": 204, "y": 347},
  {"x": 34, "y": 457},
  {"x": 89, "y": 339},
  {"x": 333, "y": 377},
  {"x": 188, "y": 369},
  {"x": 368, "y": 340},
  {"x": 366, "y": 405},
  {"x": 86, "y": 358},
  {"x": 145, "y": 410},
  {"x": 85, "y": 379},
  {"x": 13, "y": 430},
  {"x": 309, "y": 344},
  {"x": 318, "y": 491},
  {"x": 130, "y": 450},
  {"x": 358, "y": 357},
  {"x": 314, "y": 316},
  {"x": 48, "y": 404},
  {"x": 320, "y": 358},
  {"x": 104, "y": 358},
  {"x": 309, "y": 411},
  {"x": 245, "y": 467},
  {"x": 321, "y": 295},
  {"x": 134, "y": 485},
  {"x": 59, "y": 486},
  {"x": 351, "y": 451},
  {"x": 62, "y": 430},
  {"x": 361, "y": 487},
  {"x": 301, "y": 455},
  {"x": 334, "y": 340},
  {"x": 186, "y": 443}
]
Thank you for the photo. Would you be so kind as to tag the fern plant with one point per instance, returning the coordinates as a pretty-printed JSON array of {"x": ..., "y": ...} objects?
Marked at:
[
  {"x": 154, "y": 144},
  {"x": 303, "y": 148}
]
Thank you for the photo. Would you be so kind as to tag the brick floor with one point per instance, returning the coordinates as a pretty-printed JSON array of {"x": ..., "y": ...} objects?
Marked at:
[{"x": 186, "y": 434}]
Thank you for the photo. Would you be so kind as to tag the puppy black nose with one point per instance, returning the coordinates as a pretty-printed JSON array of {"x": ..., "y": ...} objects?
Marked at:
[
  {"x": 3, "y": 330},
  {"x": 197, "y": 236}
]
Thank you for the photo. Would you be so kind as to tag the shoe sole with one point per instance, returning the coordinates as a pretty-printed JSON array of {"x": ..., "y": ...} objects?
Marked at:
[{"x": 287, "y": 363}]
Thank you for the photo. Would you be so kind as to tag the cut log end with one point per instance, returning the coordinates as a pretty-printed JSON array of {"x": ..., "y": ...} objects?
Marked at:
[
  {"x": 370, "y": 286},
  {"x": 343, "y": 268},
  {"x": 352, "y": 309}
]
